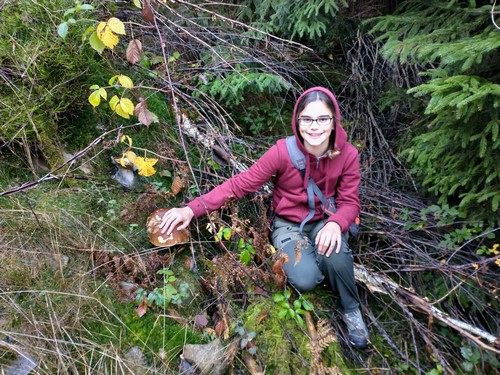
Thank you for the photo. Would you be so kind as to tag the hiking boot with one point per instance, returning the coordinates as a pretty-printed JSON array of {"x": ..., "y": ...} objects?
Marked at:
[{"x": 356, "y": 329}]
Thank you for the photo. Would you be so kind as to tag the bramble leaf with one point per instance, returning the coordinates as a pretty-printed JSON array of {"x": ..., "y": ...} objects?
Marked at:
[
  {"x": 96, "y": 43},
  {"x": 89, "y": 30},
  {"x": 95, "y": 98},
  {"x": 103, "y": 93},
  {"x": 62, "y": 30},
  {"x": 134, "y": 51},
  {"x": 116, "y": 26},
  {"x": 143, "y": 114},
  {"x": 126, "y": 106},
  {"x": 125, "y": 81},
  {"x": 123, "y": 107},
  {"x": 106, "y": 35},
  {"x": 113, "y": 102},
  {"x": 126, "y": 138}
]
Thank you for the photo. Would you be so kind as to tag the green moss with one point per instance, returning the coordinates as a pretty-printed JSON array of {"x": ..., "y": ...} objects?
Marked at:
[
  {"x": 284, "y": 343},
  {"x": 274, "y": 337}
]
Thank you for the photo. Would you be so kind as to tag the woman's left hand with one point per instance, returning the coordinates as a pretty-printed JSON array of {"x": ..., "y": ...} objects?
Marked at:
[{"x": 329, "y": 239}]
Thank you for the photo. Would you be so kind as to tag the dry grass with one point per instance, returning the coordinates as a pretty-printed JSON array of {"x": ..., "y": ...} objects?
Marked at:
[{"x": 51, "y": 302}]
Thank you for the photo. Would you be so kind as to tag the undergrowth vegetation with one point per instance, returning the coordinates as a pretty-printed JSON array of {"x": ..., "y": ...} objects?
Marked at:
[{"x": 112, "y": 110}]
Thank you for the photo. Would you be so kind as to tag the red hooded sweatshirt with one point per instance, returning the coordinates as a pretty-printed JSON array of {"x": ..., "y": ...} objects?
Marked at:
[{"x": 337, "y": 177}]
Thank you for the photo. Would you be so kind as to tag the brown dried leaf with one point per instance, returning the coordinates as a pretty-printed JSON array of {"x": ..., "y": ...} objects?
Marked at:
[
  {"x": 134, "y": 51},
  {"x": 298, "y": 253},
  {"x": 143, "y": 114},
  {"x": 177, "y": 185},
  {"x": 147, "y": 11},
  {"x": 201, "y": 320},
  {"x": 278, "y": 265},
  {"x": 219, "y": 328},
  {"x": 143, "y": 307},
  {"x": 261, "y": 317}
]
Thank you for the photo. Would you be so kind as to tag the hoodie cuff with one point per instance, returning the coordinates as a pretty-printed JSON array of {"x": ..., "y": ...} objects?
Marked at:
[{"x": 197, "y": 207}]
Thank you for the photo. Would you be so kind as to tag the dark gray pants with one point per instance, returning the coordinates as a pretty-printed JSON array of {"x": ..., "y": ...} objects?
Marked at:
[{"x": 312, "y": 268}]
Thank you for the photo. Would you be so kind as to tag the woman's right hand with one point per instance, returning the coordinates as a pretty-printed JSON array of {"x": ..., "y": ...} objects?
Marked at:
[{"x": 174, "y": 217}]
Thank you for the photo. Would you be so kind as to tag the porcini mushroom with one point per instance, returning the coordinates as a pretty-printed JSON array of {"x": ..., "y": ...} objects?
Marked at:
[{"x": 161, "y": 239}]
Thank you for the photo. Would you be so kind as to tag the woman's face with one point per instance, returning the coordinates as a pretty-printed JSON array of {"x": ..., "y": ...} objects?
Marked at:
[{"x": 316, "y": 134}]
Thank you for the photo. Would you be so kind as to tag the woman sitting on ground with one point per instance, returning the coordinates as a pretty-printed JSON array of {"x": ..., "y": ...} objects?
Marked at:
[{"x": 333, "y": 164}]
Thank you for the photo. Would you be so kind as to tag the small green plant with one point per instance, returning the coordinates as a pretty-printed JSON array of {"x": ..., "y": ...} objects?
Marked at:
[
  {"x": 484, "y": 250},
  {"x": 164, "y": 295},
  {"x": 112, "y": 208},
  {"x": 63, "y": 28},
  {"x": 473, "y": 360},
  {"x": 213, "y": 164},
  {"x": 223, "y": 233},
  {"x": 247, "y": 251},
  {"x": 246, "y": 340},
  {"x": 291, "y": 310}
]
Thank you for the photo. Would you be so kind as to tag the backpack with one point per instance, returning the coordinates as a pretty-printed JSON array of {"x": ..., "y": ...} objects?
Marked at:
[{"x": 328, "y": 205}]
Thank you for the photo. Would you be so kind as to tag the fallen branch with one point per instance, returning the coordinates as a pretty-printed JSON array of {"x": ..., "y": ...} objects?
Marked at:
[{"x": 382, "y": 284}]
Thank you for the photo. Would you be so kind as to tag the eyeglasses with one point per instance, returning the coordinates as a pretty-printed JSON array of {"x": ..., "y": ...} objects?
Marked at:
[{"x": 305, "y": 122}]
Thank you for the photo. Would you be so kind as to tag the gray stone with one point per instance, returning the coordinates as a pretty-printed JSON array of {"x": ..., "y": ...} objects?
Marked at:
[{"x": 209, "y": 359}]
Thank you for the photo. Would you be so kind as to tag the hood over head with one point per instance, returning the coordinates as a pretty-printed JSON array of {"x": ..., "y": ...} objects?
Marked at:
[{"x": 338, "y": 137}]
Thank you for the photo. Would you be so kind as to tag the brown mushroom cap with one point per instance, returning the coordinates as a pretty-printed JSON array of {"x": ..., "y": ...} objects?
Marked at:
[{"x": 161, "y": 239}]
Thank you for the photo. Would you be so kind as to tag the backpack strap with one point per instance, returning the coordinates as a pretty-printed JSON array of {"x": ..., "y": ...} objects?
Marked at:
[{"x": 296, "y": 156}]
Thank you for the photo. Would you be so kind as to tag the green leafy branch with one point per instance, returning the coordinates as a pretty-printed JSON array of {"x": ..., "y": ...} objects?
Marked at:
[{"x": 292, "y": 310}]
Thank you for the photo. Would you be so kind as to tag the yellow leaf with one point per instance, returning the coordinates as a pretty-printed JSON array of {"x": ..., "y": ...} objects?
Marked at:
[
  {"x": 126, "y": 138},
  {"x": 112, "y": 80},
  {"x": 475, "y": 265},
  {"x": 494, "y": 249},
  {"x": 95, "y": 98},
  {"x": 145, "y": 166},
  {"x": 123, "y": 107},
  {"x": 125, "y": 81},
  {"x": 127, "y": 106},
  {"x": 147, "y": 171},
  {"x": 103, "y": 93},
  {"x": 106, "y": 35},
  {"x": 113, "y": 102},
  {"x": 116, "y": 25},
  {"x": 122, "y": 161},
  {"x": 271, "y": 249},
  {"x": 497, "y": 262},
  {"x": 137, "y": 4},
  {"x": 130, "y": 156},
  {"x": 120, "y": 112}
]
